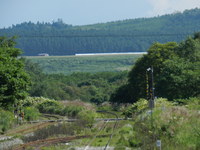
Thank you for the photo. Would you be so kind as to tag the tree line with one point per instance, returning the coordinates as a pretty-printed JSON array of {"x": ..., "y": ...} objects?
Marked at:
[
  {"x": 176, "y": 72},
  {"x": 58, "y": 38}
]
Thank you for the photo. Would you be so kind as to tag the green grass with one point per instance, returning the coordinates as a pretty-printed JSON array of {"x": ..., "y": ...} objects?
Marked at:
[{"x": 92, "y": 64}]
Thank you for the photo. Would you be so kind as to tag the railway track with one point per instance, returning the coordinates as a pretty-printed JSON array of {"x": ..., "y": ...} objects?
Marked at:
[
  {"x": 114, "y": 127},
  {"x": 103, "y": 127},
  {"x": 94, "y": 137},
  {"x": 30, "y": 129},
  {"x": 38, "y": 124},
  {"x": 46, "y": 142}
]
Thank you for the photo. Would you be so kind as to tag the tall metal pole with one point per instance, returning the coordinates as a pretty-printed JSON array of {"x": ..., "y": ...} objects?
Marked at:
[
  {"x": 152, "y": 82},
  {"x": 150, "y": 96},
  {"x": 151, "y": 99},
  {"x": 147, "y": 85}
]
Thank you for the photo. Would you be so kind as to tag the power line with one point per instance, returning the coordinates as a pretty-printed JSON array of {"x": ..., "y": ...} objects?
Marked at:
[{"x": 104, "y": 35}]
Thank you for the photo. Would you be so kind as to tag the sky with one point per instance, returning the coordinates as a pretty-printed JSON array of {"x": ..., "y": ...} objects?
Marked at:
[{"x": 82, "y": 12}]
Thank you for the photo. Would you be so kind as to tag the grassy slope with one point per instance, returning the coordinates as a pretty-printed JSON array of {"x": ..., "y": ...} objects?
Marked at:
[{"x": 99, "y": 63}]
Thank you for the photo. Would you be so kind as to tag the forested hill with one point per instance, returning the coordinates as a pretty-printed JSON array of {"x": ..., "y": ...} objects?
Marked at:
[{"x": 131, "y": 35}]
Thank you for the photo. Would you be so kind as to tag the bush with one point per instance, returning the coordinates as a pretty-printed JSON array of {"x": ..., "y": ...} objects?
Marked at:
[
  {"x": 176, "y": 126},
  {"x": 137, "y": 107},
  {"x": 49, "y": 106},
  {"x": 86, "y": 118},
  {"x": 71, "y": 110},
  {"x": 33, "y": 101},
  {"x": 193, "y": 103},
  {"x": 142, "y": 105},
  {"x": 6, "y": 120},
  {"x": 127, "y": 137},
  {"x": 31, "y": 113},
  {"x": 163, "y": 102}
]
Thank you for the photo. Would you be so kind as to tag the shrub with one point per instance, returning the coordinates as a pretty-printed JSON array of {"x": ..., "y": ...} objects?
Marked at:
[
  {"x": 49, "y": 106},
  {"x": 176, "y": 126},
  {"x": 6, "y": 120},
  {"x": 71, "y": 110},
  {"x": 193, "y": 103},
  {"x": 179, "y": 126},
  {"x": 137, "y": 107},
  {"x": 86, "y": 118},
  {"x": 31, "y": 113},
  {"x": 33, "y": 101},
  {"x": 163, "y": 102},
  {"x": 142, "y": 105},
  {"x": 127, "y": 137}
]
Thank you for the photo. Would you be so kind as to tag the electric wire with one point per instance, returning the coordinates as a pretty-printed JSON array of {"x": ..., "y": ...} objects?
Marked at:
[{"x": 104, "y": 35}]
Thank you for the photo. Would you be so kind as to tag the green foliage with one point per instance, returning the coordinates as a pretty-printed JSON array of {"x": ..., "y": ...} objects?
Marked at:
[
  {"x": 31, "y": 113},
  {"x": 163, "y": 102},
  {"x": 86, "y": 118},
  {"x": 127, "y": 137},
  {"x": 14, "y": 81},
  {"x": 135, "y": 108},
  {"x": 49, "y": 106},
  {"x": 192, "y": 103},
  {"x": 71, "y": 110},
  {"x": 37, "y": 77},
  {"x": 45, "y": 105},
  {"x": 142, "y": 105},
  {"x": 103, "y": 37},
  {"x": 34, "y": 101},
  {"x": 6, "y": 120},
  {"x": 176, "y": 126},
  {"x": 175, "y": 70},
  {"x": 95, "y": 87}
]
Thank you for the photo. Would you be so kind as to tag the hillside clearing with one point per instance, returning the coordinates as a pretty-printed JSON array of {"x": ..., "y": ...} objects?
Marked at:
[{"x": 84, "y": 63}]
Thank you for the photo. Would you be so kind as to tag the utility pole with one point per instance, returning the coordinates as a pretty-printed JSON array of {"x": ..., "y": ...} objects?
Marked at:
[
  {"x": 150, "y": 94},
  {"x": 150, "y": 87}
]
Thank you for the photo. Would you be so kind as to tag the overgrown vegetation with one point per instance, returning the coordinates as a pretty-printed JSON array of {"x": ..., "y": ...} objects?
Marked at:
[
  {"x": 176, "y": 126},
  {"x": 6, "y": 120},
  {"x": 71, "y": 109},
  {"x": 31, "y": 113},
  {"x": 88, "y": 87}
]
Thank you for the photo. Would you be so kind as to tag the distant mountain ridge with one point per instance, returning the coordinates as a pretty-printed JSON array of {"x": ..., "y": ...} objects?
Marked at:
[{"x": 131, "y": 35}]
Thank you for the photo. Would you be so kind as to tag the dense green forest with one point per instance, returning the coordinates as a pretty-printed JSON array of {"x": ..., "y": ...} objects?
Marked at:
[{"x": 58, "y": 38}]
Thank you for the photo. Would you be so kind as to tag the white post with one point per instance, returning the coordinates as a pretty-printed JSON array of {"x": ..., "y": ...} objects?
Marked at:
[{"x": 158, "y": 144}]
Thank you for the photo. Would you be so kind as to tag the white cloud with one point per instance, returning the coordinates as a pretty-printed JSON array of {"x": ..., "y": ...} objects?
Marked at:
[{"x": 161, "y": 7}]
